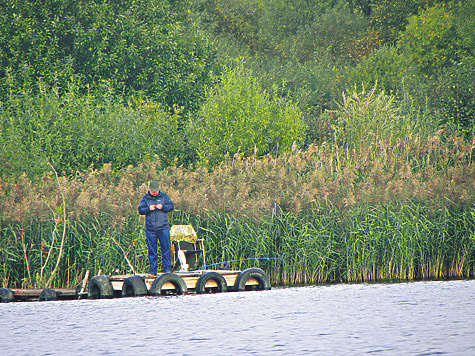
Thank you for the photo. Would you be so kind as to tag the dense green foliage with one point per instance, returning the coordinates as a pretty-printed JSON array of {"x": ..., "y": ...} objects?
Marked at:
[
  {"x": 74, "y": 131},
  {"x": 109, "y": 57},
  {"x": 135, "y": 46},
  {"x": 239, "y": 117}
]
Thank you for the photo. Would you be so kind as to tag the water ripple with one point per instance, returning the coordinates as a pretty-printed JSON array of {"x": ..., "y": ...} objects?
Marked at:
[{"x": 422, "y": 318}]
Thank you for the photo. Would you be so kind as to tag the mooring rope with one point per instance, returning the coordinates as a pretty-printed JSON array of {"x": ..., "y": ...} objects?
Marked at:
[{"x": 242, "y": 259}]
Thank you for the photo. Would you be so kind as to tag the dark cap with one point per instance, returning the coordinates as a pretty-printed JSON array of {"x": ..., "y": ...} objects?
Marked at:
[{"x": 154, "y": 186}]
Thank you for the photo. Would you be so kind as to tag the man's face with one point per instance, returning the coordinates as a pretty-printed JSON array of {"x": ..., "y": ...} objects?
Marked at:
[{"x": 154, "y": 193}]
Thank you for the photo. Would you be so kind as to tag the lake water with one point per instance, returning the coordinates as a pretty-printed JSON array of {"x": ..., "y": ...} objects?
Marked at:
[{"x": 420, "y": 318}]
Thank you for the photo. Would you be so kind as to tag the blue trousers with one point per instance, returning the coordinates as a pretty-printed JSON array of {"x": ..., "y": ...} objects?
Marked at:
[{"x": 153, "y": 237}]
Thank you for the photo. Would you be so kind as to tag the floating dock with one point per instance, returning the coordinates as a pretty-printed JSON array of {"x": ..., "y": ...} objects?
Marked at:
[
  {"x": 139, "y": 285},
  {"x": 186, "y": 251}
]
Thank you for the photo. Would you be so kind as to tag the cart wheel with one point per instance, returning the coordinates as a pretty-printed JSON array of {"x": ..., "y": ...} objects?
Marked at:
[
  {"x": 47, "y": 295},
  {"x": 221, "y": 285},
  {"x": 6, "y": 295},
  {"x": 134, "y": 286},
  {"x": 248, "y": 274},
  {"x": 100, "y": 287},
  {"x": 168, "y": 280}
]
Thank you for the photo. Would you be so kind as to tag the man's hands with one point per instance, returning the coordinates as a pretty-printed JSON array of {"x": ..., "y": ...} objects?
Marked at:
[{"x": 157, "y": 206}]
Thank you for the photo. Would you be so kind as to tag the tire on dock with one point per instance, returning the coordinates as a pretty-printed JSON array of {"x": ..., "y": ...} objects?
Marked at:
[
  {"x": 221, "y": 285},
  {"x": 248, "y": 274},
  {"x": 172, "y": 278},
  {"x": 47, "y": 295},
  {"x": 134, "y": 286},
  {"x": 100, "y": 287},
  {"x": 6, "y": 295}
]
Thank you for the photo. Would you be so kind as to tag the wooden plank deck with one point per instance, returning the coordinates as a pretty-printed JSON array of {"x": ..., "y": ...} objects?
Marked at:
[
  {"x": 63, "y": 293},
  {"x": 190, "y": 278}
]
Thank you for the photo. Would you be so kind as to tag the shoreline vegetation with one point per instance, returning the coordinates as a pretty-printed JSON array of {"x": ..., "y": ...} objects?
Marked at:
[
  {"x": 402, "y": 211},
  {"x": 322, "y": 141}
]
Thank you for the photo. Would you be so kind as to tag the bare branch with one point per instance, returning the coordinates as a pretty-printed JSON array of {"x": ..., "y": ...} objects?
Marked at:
[{"x": 125, "y": 254}]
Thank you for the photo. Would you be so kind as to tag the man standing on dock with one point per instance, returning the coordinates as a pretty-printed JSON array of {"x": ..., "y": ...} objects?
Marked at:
[{"x": 156, "y": 205}]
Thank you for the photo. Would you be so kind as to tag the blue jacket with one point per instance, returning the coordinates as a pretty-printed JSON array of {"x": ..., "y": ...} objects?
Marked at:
[{"x": 155, "y": 219}]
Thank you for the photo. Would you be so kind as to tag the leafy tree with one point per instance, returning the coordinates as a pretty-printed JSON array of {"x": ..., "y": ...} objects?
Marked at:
[
  {"x": 430, "y": 39},
  {"x": 465, "y": 27},
  {"x": 239, "y": 117},
  {"x": 283, "y": 20},
  {"x": 266, "y": 28},
  {"x": 390, "y": 17},
  {"x": 336, "y": 32},
  {"x": 136, "y": 46},
  {"x": 236, "y": 18},
  {"x": 363, "y": 5}
]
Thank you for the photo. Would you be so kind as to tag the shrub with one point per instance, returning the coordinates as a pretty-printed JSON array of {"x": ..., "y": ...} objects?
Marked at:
[
  {"x": 366, "y": 117},
  {"x": 429, "y": 41},
  {"x": 384, "y": 66},
  {"x": 76, "y": 131},
  {"x": 239, "y": 117}
]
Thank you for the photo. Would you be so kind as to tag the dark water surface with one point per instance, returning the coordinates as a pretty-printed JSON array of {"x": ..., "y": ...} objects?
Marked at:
[{"x": 421, "y": 318}]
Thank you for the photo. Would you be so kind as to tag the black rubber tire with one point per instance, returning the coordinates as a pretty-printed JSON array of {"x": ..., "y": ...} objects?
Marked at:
[
  {"x": 100, "y": 287},
  {"x": 176, "y": 280},
  {"x": 256, "y": 273},
  {"x": 134, "y": 286},
  {"x": 47, "y": 295},
  {"x": 215, "y": 276},
  {"x": 6, "y": 295}
]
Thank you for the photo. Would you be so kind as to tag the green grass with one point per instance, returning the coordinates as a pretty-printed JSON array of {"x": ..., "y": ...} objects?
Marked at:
[{"x": 365, "y": 244}]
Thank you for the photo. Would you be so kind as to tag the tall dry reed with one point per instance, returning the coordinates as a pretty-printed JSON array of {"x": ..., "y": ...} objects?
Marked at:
[{"x": 386, "y": 211}]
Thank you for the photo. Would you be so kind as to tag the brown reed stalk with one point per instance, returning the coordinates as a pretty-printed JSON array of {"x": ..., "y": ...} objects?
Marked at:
[
  {"x": 63, "y": 237},
  {"x": 53, "y": 238},
  {"x": 19, "y": 190}
]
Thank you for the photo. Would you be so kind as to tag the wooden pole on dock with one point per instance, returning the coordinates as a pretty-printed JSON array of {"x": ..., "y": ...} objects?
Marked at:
[{"x": 84, "y": 282}]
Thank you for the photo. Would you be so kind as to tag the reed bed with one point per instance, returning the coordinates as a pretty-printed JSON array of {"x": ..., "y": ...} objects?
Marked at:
[
  {"x": 364, "y": 244},
  {"x": 399, "y": 210},
  {"x": 391, "y": 242}
]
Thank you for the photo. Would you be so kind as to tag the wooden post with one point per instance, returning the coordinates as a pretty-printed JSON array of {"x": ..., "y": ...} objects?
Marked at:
[{"x": 84, "y": 282}]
